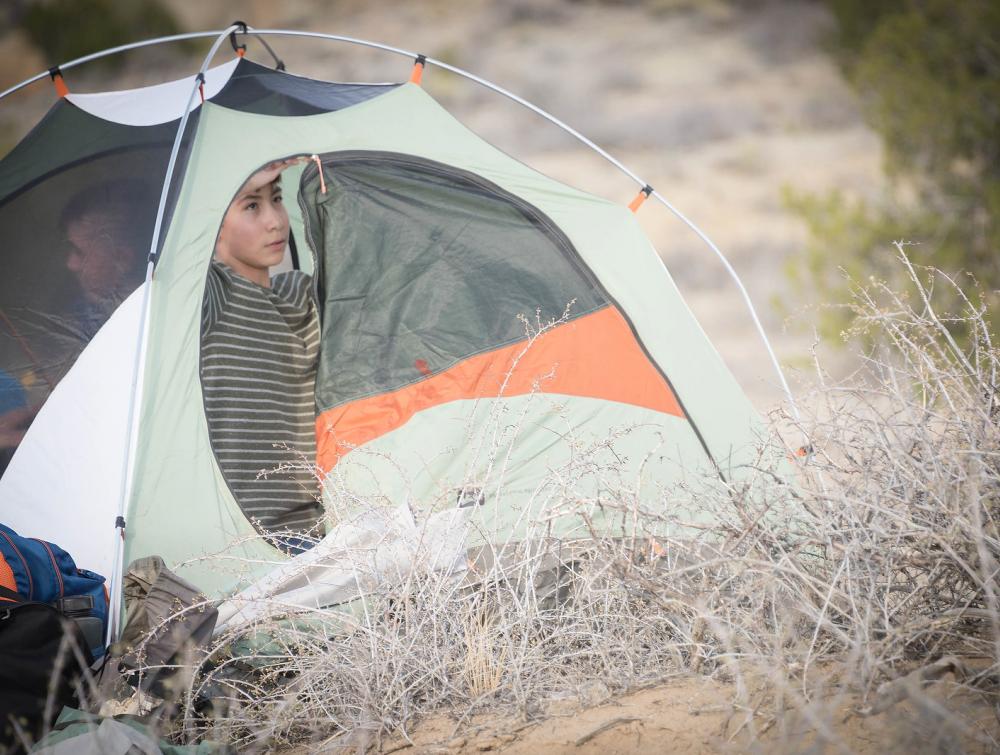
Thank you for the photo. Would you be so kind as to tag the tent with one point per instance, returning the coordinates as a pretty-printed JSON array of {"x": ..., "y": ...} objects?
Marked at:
[{"x": 493, "y": 339}]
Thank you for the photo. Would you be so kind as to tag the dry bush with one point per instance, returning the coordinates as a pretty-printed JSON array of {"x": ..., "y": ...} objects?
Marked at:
[{"x": 850, "y": 579}]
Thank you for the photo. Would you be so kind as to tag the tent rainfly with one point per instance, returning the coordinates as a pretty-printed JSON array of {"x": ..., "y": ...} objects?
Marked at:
[{"x": 492, "y": 339}]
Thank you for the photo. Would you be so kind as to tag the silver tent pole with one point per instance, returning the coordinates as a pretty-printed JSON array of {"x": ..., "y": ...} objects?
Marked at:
[
  {"x": 746, "y": 299},
  {"x": 138, "y": 371},
  {"x": 642, "y": 183},
  {"x": 110, "y": 51},
  {"x": 220, "y": 36}
]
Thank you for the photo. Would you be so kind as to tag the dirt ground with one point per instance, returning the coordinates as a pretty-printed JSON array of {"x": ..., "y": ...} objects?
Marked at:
[{"x": 700, "y": 716}]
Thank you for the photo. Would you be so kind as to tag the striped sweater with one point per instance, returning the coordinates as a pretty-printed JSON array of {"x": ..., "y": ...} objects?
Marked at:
[{"x": 259, "y": 350}]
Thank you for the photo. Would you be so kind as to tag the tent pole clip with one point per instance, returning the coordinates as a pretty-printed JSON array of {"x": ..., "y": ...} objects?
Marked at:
[
  {"x": 238, "y": 49},
  {"x": 120, "y": 523},
  {"x": 641, "y": 197},
  {"x": 418, "y": 69},
  {"x": 57, "y": 79},
  {"x": 319, "y": 169}
]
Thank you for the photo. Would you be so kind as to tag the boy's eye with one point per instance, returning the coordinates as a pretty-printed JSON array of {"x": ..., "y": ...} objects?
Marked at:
[
  {"x": 251, "y": 206},
  {"x": 278, "y": 198}
]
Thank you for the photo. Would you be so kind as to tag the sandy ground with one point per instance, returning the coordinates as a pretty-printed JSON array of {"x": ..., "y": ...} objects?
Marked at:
[
  {"x": 716, "y": 106},
  {"x": 700, "y": 716}
]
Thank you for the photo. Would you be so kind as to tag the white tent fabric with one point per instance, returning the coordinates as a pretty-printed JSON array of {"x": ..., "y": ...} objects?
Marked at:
[
  {"x": 66, "y": 475},
  {"x": 353, "y": 559},
  {"x": 149, "y": 106}
]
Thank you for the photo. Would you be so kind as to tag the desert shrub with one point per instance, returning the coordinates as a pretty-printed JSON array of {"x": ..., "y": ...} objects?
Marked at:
[
  {"x": 928, "y": 76},
  {"x": 869, "y": 561}
]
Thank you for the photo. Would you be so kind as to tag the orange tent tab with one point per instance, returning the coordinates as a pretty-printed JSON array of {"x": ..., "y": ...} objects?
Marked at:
[
  {"x": 57, "y": 80},
  {"x": 418, "y": 69},
  {"x": 641, "y": 197}
]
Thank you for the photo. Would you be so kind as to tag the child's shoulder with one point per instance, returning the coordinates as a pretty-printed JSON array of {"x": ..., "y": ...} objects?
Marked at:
[
  {"x": 292, "y": 276},
  {"x": 219, "y": 274},
  {"x": 294, "y": 286}
]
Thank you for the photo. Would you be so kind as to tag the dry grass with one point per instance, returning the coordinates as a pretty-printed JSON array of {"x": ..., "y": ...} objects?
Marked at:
[{"x": 860, "y": 577}]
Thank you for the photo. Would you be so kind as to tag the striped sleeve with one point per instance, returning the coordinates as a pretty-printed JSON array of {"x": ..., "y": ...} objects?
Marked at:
[{"x": 215, "y": 297}]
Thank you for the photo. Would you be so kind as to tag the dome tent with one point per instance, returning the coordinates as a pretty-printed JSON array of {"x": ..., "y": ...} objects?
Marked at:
[{"x": 484, "y": 326}]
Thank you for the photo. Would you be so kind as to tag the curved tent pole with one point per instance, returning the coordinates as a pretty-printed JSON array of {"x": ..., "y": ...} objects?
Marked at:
[
  {"x": 238, "y": 29},
  {"x": 499, "y": 90},
  {"x": 135, "y": 393},
  {"x": 683, "y": 218},
  {"x": 746, "y": 298},
  {"x": 110, "y": 51}
]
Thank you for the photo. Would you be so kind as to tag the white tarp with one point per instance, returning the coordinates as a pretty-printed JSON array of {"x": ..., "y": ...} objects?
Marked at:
[{"x": 354, "y": 558}]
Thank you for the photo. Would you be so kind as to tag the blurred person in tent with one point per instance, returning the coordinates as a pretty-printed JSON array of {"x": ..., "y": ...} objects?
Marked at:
[
  {"x": 259, "y": 354},
  {"x": 106, "y": 229}
]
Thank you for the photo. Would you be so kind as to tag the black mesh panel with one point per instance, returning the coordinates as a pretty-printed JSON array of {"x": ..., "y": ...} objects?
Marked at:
[
  {"x": 256, "y": 89},
  {"x": 77, "y": 209}
]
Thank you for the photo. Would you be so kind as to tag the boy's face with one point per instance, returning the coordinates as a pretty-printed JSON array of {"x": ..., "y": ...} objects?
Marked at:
[
  {"x": 254, "y": 230},
  {"x": 98, "y": 256}
]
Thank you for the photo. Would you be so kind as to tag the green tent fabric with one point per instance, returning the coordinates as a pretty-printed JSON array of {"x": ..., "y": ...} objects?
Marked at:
[{"x": 78, "y": 733}]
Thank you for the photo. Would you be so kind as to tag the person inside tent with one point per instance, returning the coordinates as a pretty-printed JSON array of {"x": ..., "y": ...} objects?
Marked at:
[
  {"x": 259, "y": 353},
  {"x": 106, "y": 229}
]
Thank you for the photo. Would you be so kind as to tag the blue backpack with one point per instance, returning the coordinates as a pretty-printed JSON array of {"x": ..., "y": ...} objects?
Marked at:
[{"x": 43, "y": 572}]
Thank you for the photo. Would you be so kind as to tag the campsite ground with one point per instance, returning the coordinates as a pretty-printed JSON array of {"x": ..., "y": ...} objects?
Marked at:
[{"x": 696, "y": 715}]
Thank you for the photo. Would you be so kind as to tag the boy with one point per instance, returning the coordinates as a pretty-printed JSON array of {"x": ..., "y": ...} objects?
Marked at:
[{"x": 260, "y": 346}]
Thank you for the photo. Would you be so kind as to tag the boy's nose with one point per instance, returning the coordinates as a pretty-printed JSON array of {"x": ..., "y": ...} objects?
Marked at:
[{"x": 276, "y": 219}]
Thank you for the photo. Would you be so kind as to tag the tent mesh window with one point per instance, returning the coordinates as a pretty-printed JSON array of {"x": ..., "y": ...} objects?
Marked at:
[{"x": 78, "y": 200}]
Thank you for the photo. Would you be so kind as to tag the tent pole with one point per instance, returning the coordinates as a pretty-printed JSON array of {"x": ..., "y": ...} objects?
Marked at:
[
  {"x": 220, "y": 37},
  {"x": 746, "y": 299},
  {"x": 138, "y": 370},
  {"x": 110, "y": 51},
  {"x": 642, "y": 183}
]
